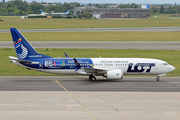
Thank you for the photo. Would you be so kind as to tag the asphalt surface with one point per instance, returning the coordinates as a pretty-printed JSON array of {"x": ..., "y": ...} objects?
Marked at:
[
  {"x": 158, "y": 45},
  {"x": 77, "y": 98},
  {"x": 143, "y": 29},
  {"x": 84, "y": 105},
  {"x": 81, "y": 83}
]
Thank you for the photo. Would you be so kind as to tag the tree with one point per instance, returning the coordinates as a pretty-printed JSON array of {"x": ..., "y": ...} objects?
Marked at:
[
  {"x": 133, "y": 5},
  {"x": 170, "y": 10},
  {"x": 36, "y": 7},
  {"x": 19, "y": 4},
  {"x": 80, "y": 16},
  {"x": 175, "y": 5},
  {"x": 162, "y": 10},
  {"x": 3, "y": 11},
  {"x": 104, "y": 6},
  {"x": 66, "y": 6},
  {"x": 74, "y": 16},
  {"x": 51, "y": 8},
  {"x": 178, "y": 9},
  {"x": 77, "y": 5},
  {"x": 11, "y": 9},
  {"x": 154, "y": 9},
  {"x": 89, "y": 4},
  {"x": 85, "y": 15},
  {"x": 90, "y": 15}
]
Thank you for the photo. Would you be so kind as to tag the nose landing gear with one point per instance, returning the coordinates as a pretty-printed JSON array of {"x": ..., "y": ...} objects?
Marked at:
[{"x": 158, "y": 78}]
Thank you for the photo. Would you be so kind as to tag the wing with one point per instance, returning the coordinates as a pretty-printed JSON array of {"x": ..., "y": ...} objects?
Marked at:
[
  {"x": 95, "y": 71},
  {"x": 88, "y": 71}
]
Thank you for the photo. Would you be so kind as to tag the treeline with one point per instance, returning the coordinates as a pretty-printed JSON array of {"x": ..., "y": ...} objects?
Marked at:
[
  {"x": 109, "y": 5},
  {"x": 22, "y": 7},
  {"x": 85, "y": 15},
  {"x": 166, "y": 9}
]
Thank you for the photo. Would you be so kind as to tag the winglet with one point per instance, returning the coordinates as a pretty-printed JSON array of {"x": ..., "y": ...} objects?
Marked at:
[
  {"x": 78, "y": 66},
  {"x": 66, "y": 55}
]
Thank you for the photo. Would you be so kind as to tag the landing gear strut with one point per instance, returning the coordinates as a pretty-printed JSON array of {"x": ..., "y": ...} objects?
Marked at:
[
  {"x": 92, "y": 78},
  {"x": 158, "y": 78}
]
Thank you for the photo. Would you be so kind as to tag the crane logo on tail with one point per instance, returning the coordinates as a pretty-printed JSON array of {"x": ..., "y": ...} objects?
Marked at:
[{"x": 21, "y": 51}]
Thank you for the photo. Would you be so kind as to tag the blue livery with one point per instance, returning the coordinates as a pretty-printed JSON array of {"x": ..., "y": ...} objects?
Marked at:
[
  {"x": 26, "y": 52},
  {"x": 23, "y": 48}
]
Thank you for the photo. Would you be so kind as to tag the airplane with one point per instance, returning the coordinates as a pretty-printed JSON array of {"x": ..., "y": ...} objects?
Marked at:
[
  {"x": 65, "y": 13},
  {"x": 43, "y": 13},
  {"x": 155, "y": 16},
  {"x": 110, "y": 68}
]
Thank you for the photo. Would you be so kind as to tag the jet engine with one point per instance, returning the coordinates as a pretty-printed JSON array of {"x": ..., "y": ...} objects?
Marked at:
[{"x": 114, "y": 74}]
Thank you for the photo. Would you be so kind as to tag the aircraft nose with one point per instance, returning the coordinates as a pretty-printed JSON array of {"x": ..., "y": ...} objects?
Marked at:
[{"x": 172, "y": 68}]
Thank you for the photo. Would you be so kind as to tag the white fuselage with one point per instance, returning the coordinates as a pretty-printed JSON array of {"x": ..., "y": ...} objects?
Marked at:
[
  {"x": 131, "y": 66},
  {"x": 161, "y": 67}
]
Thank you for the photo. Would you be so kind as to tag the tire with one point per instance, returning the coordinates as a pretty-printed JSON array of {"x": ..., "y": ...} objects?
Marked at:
[
  {"x": 157, "y": 79},
  {"x": 92, "y": 78}
]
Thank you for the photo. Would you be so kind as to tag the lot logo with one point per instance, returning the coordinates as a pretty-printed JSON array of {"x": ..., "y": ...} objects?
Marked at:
[{"x": 140, "y": 67}]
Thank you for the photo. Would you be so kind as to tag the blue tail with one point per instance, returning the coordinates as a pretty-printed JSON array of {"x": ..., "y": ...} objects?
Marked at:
[
  {"x": 67, "y": 12},
  {"x": 24, "y": 50}
]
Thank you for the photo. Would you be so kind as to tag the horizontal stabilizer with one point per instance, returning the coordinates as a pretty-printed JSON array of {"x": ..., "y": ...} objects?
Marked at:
[
  {"x": 20, "y": 61},
  {"x": 66, "y": 55}
]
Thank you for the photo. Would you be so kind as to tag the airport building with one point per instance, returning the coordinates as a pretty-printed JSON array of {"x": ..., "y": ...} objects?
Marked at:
[{"x": 114, "y": 12}]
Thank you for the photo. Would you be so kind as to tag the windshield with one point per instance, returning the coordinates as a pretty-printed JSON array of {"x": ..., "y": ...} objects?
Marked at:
[{"x": 165, "y": 63}]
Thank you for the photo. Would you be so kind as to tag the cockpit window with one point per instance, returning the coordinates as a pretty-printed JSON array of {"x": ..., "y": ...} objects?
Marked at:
[{"x": 165, "y": 63}]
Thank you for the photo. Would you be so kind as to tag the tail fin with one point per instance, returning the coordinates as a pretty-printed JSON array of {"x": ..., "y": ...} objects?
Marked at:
[
  {"x": 24, "y": 50},
  {"x": 67, "y": 12}
]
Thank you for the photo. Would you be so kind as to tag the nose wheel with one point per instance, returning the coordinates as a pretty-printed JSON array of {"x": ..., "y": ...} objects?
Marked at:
[
  {"x": 158, "y": 78},
  {"x": 92, "y": 78}
]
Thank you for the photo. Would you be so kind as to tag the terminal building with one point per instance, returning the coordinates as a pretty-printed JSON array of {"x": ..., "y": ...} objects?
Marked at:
[{"x": 114, "y": 12}]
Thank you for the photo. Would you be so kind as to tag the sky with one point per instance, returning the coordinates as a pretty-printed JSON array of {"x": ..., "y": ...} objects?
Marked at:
[{"x": 112, "y": 1}]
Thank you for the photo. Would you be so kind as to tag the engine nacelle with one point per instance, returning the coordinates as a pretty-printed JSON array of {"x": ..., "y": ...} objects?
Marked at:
[{"x": 114, "y": 74}]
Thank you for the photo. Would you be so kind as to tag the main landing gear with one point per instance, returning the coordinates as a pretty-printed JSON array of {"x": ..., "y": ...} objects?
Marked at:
[
  {"x": 158, "y": 78},
  {"x": 92, "y": 78}
]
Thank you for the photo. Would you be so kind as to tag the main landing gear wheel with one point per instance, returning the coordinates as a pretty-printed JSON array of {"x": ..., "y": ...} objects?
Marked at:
[
  {"x": 92, "y": 78},
  {"x": 157, "y": 79}
]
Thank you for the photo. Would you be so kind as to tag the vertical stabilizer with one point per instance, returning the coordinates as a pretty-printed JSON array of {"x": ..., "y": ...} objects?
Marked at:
[{"x": 24, "y": 50}]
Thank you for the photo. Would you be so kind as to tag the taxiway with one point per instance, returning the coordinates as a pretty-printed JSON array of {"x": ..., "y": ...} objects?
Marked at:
[
  {"x": 77, "y": 98},
  {"x": 82, "y": 83},
  {"x": 140, "y": 29},
  {"x": 156, "y": 45}
]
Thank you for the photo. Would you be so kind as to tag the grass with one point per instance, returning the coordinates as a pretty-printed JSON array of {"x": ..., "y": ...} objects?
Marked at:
[
  {"x": 97, "y": 36},
  {"x": 45, "y": 23},
  {"x": 170, "y": 56}
]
